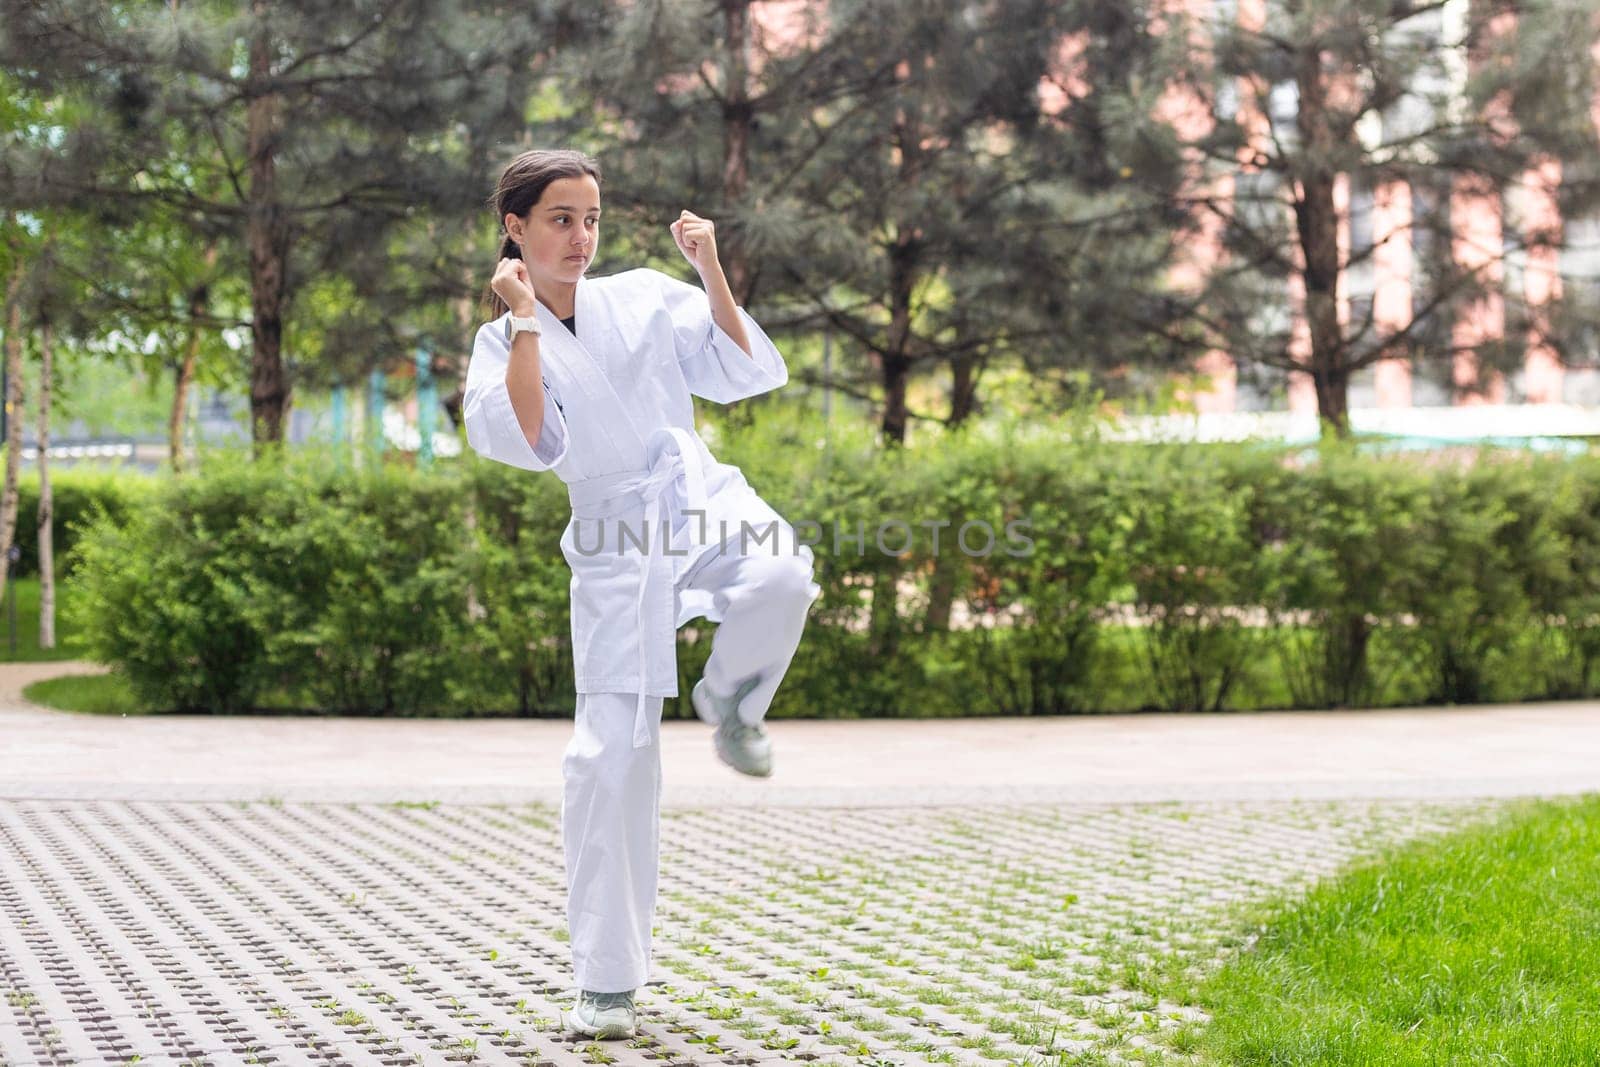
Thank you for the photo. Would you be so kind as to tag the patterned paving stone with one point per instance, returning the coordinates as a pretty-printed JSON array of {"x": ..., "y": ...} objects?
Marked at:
[{"x": 306, "y": 933}]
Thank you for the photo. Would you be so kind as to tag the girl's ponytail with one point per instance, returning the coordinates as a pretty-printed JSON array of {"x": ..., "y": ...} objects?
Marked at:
[{"x": 508, "y": 250}]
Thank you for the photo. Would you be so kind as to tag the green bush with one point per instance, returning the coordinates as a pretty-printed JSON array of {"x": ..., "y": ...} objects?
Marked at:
[
  {"x": 1193, "y": 577},
  {"x": 161, "y": 596},
  {"x": 515, "y": 652},
  {"x": 1337, "y": 539}
]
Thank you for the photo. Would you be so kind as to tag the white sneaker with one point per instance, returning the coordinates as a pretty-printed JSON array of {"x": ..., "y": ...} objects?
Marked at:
[
  {"x": 744, "y": 748},
  {"x": 605, "y": 1015}
]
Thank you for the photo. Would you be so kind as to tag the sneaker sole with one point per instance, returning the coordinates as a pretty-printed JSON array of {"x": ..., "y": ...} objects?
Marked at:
[
  {"x": 763, "y": 773},
  {"x": 722, "y": 755},
  {"x": 602, "y": 1033}
]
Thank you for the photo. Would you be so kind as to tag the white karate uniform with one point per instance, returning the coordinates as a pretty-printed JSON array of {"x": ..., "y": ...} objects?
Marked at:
[{"x": 619, "y": 431}]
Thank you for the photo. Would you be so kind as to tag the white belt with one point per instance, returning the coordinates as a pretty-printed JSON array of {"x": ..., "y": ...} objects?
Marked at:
[{"x": 674, "y": 452}]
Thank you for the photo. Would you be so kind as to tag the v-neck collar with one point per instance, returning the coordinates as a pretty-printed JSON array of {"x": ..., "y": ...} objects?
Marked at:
[
  {"x": 576, "y": 353},
  {"x": 583, "y": 328}
]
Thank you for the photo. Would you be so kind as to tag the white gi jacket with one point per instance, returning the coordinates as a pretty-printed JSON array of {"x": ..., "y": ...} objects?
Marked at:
[{"x": 619, "y": 431}]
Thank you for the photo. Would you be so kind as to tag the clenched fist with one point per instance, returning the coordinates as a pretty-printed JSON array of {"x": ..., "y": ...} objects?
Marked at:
[
  {"x": 512, "y": 284},
  {"x": 696, "y": 239}
]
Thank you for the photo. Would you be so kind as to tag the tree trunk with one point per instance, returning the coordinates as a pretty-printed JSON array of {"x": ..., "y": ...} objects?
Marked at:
[
  {"x": 963, "y": 388},
  {"x": 941, "y": 589},
  {"x": 883, "y": 640},
  {"x": 1317, "y": 222},
  {"x": 896, "y": 368},
  {"x": 180, "y": 400},
  {"x": 893, "y": 363},
  {"x": 465, "y": 325},
  {"x": 13, "y": 401},
  {"x": 47, "y": 548},
  {"x": 737, "y": 118},
  {"x": 904, "y": 259},
  {"x": 883, "y": 636},
  {"x": 268, "y": 240},
  {"x": 942, "y": 583},
  {"x": 894, "y": 372},
  {"x": 199, "y": 299}
]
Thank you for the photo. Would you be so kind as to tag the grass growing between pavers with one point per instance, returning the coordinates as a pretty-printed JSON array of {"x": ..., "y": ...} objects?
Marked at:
[
  {"x": 947, "y": 943},
  {"x": 837, "y": 937},
  {"x": 1479, "y": 946}
]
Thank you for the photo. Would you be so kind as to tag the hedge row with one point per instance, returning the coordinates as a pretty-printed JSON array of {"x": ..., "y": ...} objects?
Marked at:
[{"x": 1157, "y": 577}]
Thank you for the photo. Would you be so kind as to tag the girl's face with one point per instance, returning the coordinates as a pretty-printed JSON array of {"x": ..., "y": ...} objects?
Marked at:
[{"x": 560, "y": 233}]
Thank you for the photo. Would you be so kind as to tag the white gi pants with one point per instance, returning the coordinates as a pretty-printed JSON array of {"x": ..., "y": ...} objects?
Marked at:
[{"x": 611, "y": 791}]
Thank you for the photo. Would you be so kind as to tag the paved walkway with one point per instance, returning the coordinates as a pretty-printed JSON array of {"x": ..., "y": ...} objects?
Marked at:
[
  {"x": 202, "y": 890},
  {"x": 1506, "y": 750},
  {"x": 375, "y": 934}
]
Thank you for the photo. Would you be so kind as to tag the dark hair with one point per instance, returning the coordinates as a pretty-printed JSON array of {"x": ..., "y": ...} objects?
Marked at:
[{"x": 521, "y": 185}]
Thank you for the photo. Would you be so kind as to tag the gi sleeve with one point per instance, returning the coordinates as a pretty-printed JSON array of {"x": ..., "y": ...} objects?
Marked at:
[
  {"x": 713, "y": 364},
  {"x": 492, "y": 427}
]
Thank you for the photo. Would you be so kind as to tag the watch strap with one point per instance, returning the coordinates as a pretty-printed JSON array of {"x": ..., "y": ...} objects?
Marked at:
[{"x": 517, "y": 323}]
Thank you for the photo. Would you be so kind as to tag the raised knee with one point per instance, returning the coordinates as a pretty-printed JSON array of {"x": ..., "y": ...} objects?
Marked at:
[{"x": 789, "y": 575}]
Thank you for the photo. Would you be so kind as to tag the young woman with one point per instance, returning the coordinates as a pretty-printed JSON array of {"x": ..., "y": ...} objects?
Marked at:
[{"x": 592, "y": 378}]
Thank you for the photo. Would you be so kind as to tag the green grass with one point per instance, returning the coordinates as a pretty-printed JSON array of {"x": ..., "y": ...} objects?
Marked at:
[
  {"x": 27, "y": 615},
  {"x": 97, "y": 694},
  {"x": 1479, "y": 947},
  {"x": 109, "y": 694}
]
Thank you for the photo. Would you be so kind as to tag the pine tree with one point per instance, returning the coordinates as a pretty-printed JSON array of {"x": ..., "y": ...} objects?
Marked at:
[
  {"x": 1389, "y": 100},
  {"x": 886, "y": 172},
  {"x": 325, "y": 128}
]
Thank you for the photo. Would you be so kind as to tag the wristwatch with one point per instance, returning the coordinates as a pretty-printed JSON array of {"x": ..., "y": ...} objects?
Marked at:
[{"x": 515, "y": 324}]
